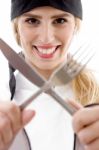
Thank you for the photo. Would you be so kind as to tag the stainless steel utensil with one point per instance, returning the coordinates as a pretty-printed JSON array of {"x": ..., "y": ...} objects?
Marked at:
[{"x": 64, "y": 74}]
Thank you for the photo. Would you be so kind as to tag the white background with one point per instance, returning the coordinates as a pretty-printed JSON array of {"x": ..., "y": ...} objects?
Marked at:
[{"x": 90, "y": 28}]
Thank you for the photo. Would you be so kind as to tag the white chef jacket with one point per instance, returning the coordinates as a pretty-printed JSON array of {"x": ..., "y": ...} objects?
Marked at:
[{"x": 51, "y": 128}]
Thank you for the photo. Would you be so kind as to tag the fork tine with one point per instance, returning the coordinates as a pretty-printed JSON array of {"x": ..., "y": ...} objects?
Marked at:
[
  {"x": 61, "y": 75},
  {"x": 77, "y": 55},
  {"x": 74, "y": 54},
  {"x": 79, "y": 68},
  {"x": 76, "y": 65}
]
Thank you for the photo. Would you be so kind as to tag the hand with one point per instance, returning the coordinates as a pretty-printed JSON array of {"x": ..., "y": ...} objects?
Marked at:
[
  {"x": 86, "y": 126},
  {"x": 11, "y": 121}
]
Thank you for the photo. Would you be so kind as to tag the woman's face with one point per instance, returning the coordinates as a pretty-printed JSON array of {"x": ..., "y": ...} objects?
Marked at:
[{"x": 45, "y": 34}]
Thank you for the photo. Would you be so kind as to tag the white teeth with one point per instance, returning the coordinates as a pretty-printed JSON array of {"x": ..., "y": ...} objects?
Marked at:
[{"x": 46, "y": 51}]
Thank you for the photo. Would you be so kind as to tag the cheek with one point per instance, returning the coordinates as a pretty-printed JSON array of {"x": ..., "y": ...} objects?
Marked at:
[
  {"x": 25, "y": 34},
  {"x": 66, "y": 39},
  {"x": 66, "y": 35},
  {"x": 25, "y": 40}
]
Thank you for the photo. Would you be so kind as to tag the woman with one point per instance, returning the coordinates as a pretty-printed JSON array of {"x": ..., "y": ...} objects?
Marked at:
[{"x": 44, "y": 30}]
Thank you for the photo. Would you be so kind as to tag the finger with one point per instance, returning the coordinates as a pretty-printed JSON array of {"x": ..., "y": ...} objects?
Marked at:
[
  {"x": 5, "y": 129},
  {"x": 74, "y": 104},
  {"x": 85, "y": 117},
  {"x": 1, "y": 143},
  {"x": 14, "y": 113},
  {"x": 89, "y": 133},
  {"x": 27, "y": 116},
  {"x": 93, "y": 145}
]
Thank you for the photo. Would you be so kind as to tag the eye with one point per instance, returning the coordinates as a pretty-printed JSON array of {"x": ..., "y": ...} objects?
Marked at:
[
  {"x": 32, "y": 21},
  {"x": 60, "y": 21}
]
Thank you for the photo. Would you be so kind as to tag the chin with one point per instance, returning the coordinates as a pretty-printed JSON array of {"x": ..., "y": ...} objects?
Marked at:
[{"x": 48, "y": 67}]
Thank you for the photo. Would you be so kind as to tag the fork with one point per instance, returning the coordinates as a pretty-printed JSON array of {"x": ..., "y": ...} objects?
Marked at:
[{"x": 63, "y": 75}]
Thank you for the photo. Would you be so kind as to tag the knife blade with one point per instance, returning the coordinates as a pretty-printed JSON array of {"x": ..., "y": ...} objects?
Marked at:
[
  {"x": 32, "y": 75},
  {"x": 18, "y": 63}
]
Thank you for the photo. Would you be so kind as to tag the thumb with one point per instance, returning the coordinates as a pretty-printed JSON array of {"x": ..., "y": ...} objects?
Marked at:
[
  {"x": 74, "y": 105},
  {"x": 27, "y": 116}
]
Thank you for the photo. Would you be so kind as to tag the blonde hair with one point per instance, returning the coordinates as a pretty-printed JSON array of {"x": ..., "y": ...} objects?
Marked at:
[{"x": 85, "y": 86}]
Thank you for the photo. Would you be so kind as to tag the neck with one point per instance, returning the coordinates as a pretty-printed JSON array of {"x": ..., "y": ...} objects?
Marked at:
[{"x": 45, "y": 73}]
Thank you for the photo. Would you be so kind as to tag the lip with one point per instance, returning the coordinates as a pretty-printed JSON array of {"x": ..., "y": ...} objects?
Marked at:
[
  {"x": 46, "y": 46},
  {"x": 46, "y": 56}
]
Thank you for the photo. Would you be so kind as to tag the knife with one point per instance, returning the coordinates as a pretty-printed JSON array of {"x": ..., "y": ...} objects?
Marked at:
[
  {"x": 18, "y": 63},
  {"x": 32, "y": 75}
]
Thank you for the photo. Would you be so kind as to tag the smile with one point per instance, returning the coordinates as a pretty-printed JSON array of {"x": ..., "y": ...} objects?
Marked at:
[{"x": 45, "y": 52}]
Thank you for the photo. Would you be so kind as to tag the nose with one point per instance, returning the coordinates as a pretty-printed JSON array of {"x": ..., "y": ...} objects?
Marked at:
[{"x": 47, "y": 33}]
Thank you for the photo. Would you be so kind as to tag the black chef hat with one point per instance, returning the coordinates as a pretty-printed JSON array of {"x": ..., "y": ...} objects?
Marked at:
[{"x": 18, "y": 7}]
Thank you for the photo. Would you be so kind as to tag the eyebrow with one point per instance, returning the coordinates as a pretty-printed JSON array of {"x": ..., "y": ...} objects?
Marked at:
[
  {"x": 61, "y": 15},
  {"x": 40, "y": 17}
]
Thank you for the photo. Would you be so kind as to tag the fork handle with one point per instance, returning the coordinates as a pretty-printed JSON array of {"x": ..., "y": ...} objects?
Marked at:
[
  {"x": 45, "y": 87},
  {"x": 71, "y": 110}
]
